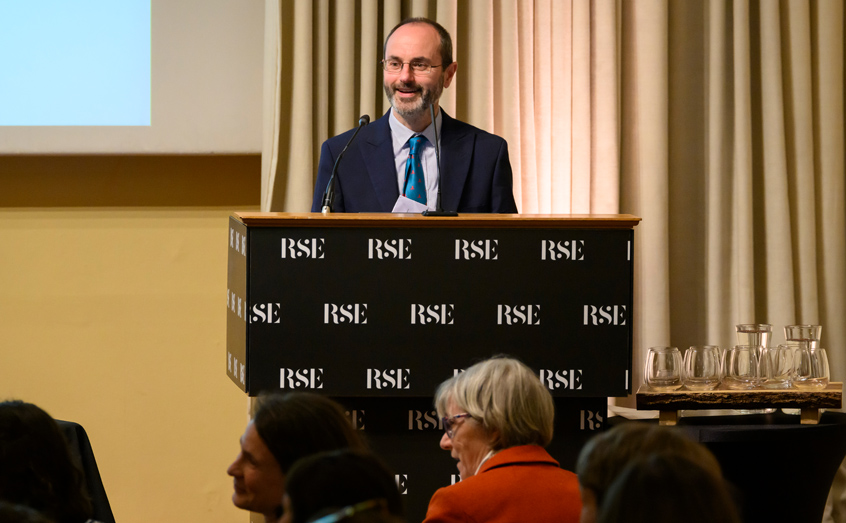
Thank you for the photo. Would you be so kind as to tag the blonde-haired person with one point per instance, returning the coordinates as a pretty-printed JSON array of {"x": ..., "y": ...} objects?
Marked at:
[{"x": 498, "y": 418}]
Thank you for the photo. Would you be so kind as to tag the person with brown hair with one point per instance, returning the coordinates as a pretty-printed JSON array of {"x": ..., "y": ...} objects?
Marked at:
[
  {"x": 286, "y": 427},
  {"x": 341, "y": 485},
  {"x": 36, "y": 467},
  {"x": 605, "y": 456},
  {"x": 665, "y": 487}
]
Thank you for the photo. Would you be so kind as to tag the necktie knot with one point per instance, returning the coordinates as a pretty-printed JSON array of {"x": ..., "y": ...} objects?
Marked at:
[{"x": 416, "y": 143}]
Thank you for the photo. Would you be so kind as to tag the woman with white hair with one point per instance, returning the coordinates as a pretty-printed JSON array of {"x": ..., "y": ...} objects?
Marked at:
[{"x": 497, "y": 418}]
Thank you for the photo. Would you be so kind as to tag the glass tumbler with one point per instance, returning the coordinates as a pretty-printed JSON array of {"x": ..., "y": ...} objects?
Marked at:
[
  {"x": 740, "y": 367},
  {"x": 754, "y": 334},
  {"x": 804, "y": 335},
  {"x": 776, "y": 367},
  {"x": 701, "y": 369},
  {"x": 810, "y": 368},
  {"x": 663, "y": 368}
]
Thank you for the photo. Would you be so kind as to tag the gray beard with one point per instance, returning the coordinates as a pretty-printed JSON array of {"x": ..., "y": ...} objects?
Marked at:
[{"x": 421, "y": 107}]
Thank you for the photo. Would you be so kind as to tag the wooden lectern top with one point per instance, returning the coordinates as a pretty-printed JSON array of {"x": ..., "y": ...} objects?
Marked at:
[{"x": 500, "y": 221}]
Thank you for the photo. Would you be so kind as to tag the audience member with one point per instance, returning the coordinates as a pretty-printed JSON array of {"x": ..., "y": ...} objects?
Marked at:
[
  {"x": 498, "y": 417},
  {"x": 606, "y": 455},
  {"x": 36, "y": 467},
  {"x": 666, "y": 487},
  {"x": 286, "y": 427},
  {"x": 344, "y": 485}
]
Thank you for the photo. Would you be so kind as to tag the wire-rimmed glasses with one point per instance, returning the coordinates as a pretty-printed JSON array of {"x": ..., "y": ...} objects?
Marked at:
[
  {"x": 417, "y": 67},
  {"x": 450, "y": 421}
]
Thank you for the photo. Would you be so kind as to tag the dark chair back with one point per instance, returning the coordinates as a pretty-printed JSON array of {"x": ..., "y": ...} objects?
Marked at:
[{"x": 82, "y": 452}]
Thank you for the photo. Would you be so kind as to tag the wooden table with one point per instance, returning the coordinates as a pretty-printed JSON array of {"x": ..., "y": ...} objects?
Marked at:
[{"x": 669, "y": 403}]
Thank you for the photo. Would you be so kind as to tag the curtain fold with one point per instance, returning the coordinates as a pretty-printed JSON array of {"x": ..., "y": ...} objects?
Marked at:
[
  {"x": 644, "y": 169},
  {"x": 603, "y": 181}
]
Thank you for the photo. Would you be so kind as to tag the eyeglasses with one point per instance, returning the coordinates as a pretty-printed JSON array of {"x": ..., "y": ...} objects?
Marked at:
[
  {"x": 449, "y": 423},
  {"x": 418, "y": 68}
]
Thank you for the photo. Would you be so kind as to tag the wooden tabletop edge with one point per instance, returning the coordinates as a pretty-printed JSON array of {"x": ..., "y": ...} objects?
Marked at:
[{"x": 280, "y": 219}]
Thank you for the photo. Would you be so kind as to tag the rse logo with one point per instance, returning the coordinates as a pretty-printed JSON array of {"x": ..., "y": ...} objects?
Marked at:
[
  {"x": 311, "y": 248},
  {"x": 236, "y": 304},
  {"x": 388, "y": 379},
  {"x": 518, "y": 314},
  {"x": 556, "y": 379},
  {"x": 266, "y": 313},
  {"x": 300, "y": 378},
  {"x": 389, "y": 249},
  {"x": 356, "y": 418},
  {"x": 353, "y": 313},
  {"x": 476, "y": 249},
  {"x": 237, "y": 241},
  {"x": 605, "y": 314},
  {"x": 441, "y": 314},
  {"x": 402, "y": 483},
  {"x": 424, "y": 420},
  {"x": 562, "y": 250},
  {"x": 590, "y": 420},
  {"x": 233, "y": 367}
]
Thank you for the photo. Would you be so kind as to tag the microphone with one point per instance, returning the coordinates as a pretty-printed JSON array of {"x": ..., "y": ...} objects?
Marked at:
[
  {"x": 439, "y": 211},
  {"x": 329, "y": 193}
]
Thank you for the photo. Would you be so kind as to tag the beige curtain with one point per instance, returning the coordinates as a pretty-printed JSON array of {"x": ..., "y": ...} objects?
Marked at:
[{"x": 719, "y": 122}]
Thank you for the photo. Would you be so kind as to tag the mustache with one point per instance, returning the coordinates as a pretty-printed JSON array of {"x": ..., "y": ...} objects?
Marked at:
[{"x": 406, "y": 86}]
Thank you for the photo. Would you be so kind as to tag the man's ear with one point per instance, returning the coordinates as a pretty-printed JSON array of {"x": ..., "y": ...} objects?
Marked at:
[{"x": 449, "y": 72}]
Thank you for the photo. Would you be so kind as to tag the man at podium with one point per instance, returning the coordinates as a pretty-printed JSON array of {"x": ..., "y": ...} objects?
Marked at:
[{"x": 392, "y": 164}]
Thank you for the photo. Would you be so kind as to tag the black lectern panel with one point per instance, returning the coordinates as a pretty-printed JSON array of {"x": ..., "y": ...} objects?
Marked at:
[{"x": 391, "y": 309}]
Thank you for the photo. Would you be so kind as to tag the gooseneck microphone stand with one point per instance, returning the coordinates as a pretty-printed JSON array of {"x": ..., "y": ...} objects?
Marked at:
[
  {"x": 439, "y": 211},
  {"x": 329, "y": 193}
]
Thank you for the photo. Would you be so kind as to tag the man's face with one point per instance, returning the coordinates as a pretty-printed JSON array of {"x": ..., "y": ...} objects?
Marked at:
[
  {"x": 410, "y": 94},
  {"x": 259, "y": 482}
]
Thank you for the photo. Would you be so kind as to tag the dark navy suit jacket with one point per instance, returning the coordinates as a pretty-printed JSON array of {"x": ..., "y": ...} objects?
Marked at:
[{"x": 475, "y": 171}]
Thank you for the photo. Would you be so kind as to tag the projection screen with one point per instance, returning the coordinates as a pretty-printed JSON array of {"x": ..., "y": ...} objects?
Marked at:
[{"x": 131, "y": 76}]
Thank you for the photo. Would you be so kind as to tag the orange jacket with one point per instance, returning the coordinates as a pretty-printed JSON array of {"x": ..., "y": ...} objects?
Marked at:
[{"x": 516, "y": 484}]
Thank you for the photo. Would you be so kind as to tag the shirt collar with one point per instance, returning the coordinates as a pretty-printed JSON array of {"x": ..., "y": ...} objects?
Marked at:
[{"x": 401, "y": 134}]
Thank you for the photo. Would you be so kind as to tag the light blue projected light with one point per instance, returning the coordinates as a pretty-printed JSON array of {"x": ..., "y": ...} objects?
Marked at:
[{"x": 74, "y": 62}]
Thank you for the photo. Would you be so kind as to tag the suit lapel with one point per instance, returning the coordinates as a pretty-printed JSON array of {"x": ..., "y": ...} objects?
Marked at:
[
  {"x": 378, "y": 153},
  {"x": 456, "y": 153}
]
